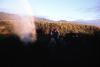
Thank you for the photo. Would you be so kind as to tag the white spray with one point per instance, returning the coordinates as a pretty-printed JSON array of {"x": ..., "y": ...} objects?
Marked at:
[
  {"x": 23, "y": 22},
  {"x": 25, "y": 29}
]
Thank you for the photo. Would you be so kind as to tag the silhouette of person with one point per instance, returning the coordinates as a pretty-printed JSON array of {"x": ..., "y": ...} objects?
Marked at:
[{"x": 54, "y": 36}]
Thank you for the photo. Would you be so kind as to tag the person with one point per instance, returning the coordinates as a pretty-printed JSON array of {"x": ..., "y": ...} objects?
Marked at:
[{"x": 54, "y": 36}]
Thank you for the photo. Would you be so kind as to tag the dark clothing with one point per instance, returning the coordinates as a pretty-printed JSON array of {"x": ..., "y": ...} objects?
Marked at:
[{"x": 54, "y": 34}]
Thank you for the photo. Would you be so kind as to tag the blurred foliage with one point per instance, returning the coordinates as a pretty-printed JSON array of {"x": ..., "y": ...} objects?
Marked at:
[
  {"x": 63, "y": 27},
  {"x": 66, "y": 27}
]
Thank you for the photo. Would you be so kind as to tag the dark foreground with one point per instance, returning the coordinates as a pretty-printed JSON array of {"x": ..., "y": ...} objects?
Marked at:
[{"x": 83, "y": 49}]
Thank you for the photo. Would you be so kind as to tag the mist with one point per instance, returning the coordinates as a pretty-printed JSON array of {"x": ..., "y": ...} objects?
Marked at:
[{"x": 20, "y": 16}]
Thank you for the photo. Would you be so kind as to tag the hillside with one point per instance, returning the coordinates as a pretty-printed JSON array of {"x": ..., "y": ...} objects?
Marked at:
[
  {"x": 72, "y": 43},
  {"x": 46, "y": 25}
]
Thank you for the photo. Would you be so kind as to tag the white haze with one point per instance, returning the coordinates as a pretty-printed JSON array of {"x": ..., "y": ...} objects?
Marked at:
[{"x": 22, "y": 22}]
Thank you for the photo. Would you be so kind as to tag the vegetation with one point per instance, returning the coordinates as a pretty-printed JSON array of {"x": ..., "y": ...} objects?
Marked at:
[
  {"x": 45, "y": 25},
  {"x": 66, "y": 27},
  {"x": 76, "y": 44}
]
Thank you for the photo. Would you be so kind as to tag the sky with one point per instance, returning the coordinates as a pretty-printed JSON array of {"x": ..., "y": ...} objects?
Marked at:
[{"x": 54, "y": 9}]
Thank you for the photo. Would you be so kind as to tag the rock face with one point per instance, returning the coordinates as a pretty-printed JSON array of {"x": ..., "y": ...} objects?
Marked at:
[{"x": 22, "y": 26}]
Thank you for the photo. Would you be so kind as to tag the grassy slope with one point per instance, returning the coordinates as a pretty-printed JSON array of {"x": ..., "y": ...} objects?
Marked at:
[
  {"x": 83, "y": 49},
  {"x": 46, "y": 25},
  {"x": 64, "y": 28}
]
